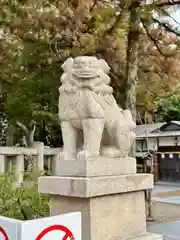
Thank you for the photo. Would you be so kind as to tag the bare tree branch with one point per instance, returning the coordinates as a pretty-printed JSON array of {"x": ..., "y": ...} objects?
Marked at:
[
  {"x": 170, "y": 16},
  {"x": 166, "y": 26},
  {"x": 152, "y": 38},
  {"x": 22, "y": 127},
  {"x": 167, "y": 3}
]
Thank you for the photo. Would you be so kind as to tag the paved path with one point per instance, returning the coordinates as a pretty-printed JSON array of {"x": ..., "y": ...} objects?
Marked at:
[
  {"x": 161, "y": 188},
  {"x": 170, "y": 199},
  {"x": 170, "y": 231},
  {"x": 169, "y": 193}
]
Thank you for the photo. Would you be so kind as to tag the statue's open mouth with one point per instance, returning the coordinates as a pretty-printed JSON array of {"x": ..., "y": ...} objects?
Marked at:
[{"x": 85, "y": 73}]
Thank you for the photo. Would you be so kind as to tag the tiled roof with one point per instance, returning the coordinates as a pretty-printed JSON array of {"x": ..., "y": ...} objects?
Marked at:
[
  {"x": 147, "y": 128},
  {"x": 159, "y": 134},
  {"x": 143, "y": 130}
]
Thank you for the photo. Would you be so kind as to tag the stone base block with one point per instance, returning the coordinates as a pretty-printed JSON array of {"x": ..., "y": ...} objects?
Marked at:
[
  {"x": 94, "y": 186},
  {"x": 111, "y": 217},
  {"x": 148, "y": 236},
  {"x": 99, "y": 166},
  {"x": 108, "y": 193}
]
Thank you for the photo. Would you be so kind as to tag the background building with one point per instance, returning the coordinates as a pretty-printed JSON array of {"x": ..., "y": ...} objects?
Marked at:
[{"x": 159, "y": 143}]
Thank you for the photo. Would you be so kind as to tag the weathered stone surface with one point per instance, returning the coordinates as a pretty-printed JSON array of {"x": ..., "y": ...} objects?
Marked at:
[
  {"x": 94, "y": 186},
  {"x": 86, "y": 104},
  {"x": 119, "y": 216},
  {"x": 99, "y": 166}
]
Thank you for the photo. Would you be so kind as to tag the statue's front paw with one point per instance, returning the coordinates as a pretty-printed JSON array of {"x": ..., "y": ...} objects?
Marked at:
[
  {"x": 124, "y": 153},
  {"x": 83, "y": 155}
]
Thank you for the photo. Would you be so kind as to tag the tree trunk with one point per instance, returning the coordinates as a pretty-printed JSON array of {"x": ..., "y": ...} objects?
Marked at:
[
  {"x": 132, "y": 63},
  {"x": 28, "y": 133},
  {"x": 132, "y": 58}
]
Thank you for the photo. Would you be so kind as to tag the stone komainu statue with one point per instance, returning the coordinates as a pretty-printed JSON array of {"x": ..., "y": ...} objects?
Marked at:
[{"x": 87, "y": 105}]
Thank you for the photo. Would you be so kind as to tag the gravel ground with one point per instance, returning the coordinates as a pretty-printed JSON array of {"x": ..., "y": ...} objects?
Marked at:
[{"x": 167, "y": 193}]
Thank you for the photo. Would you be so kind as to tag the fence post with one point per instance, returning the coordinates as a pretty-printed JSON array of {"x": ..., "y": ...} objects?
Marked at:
[
  {"x": 53, "y": 163},
  {"x": 56, "y": 163},
  {"x": 40, "y": 155},
  {"x": 2, "y": 164},
  {"x": 19, "y": 169}
]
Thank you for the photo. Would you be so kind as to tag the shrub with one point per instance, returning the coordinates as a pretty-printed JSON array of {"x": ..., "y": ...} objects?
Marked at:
[{"x": 24, "y": 203}]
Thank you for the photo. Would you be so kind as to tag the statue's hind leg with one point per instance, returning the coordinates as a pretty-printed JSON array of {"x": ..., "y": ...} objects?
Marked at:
[
  {"x": 123, "y": 138},
  {"x": 108, "y": 147}
]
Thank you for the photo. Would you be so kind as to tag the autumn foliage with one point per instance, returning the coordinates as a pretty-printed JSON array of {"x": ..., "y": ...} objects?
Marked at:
[{"x": 37, "y": 36}]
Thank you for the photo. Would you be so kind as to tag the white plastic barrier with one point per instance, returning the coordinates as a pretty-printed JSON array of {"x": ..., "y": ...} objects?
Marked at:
[{"x": 62, "y": 227}]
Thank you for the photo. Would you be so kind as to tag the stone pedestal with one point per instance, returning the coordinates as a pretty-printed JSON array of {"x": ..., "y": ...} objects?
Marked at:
[{"x": 108, "y": 193}]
